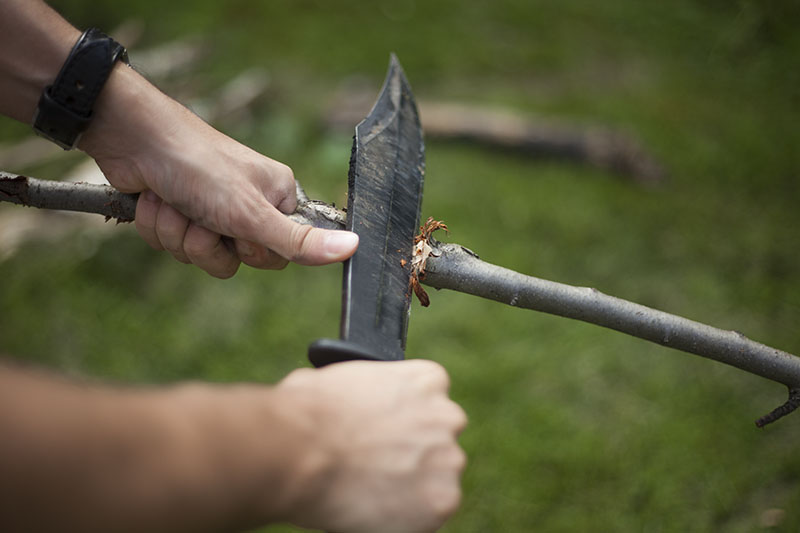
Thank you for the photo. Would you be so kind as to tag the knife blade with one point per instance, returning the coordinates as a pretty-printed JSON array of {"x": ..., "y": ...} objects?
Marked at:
[{"x": 387, "y": 168}]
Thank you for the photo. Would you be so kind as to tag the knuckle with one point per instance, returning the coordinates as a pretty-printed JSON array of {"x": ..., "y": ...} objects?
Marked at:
[
  {"x": 459, "y": 417},
  {"x": 277, "y": 264},
  {"x": 283, "y": 175},
  {"x": 438, "y": 375},
  {"x": 280, "y": 190},
  {"x": 459, "y": 459},
  {"x": 207, "y": 250},
  {"x": 428, "y": 367},
  {"x": 173, "y": 248},
  {"x": 446, "y": 501},
  {"x": 180, "y": 257},
  {"x": 155, "y": 245},
  {"x": 298, "y": 377},
  {"x": 264, "y": 258},
  {"x": 224, "y": 271}
]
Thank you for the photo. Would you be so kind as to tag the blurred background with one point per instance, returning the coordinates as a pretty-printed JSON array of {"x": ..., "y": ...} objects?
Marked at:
[{"x": 572, "y": 427}]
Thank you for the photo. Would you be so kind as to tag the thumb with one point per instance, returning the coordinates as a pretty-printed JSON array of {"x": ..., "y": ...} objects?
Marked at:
[{"x": 307, "y": 245}]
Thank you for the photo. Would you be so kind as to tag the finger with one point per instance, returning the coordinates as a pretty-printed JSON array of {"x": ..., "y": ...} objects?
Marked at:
[
  {"x": 257, "y": 256},
  {"x": 449, "y": 457},
  {"x": 146, "y": 214},
  {"x": 444, "y": 496},
  {"x": 171, "y": 227},
  {"x": 300, "y": 243},
  {"x": 458, "y": 418},
  {"x": 208, "y": 251},
  {"x": 428, "y": 375}
]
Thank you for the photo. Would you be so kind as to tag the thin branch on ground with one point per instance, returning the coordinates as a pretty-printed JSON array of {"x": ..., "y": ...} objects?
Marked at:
[
  {"x": 454, "y": 267},
  {"x": 603, "y": 147}
]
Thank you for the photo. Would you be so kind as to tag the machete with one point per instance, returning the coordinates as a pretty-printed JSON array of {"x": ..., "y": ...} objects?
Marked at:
[{"x": 384, "y": 198}]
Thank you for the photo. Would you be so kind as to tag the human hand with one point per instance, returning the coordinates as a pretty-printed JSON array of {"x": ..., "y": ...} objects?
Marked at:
[
  {"x": 385, "y": 440},
  {"x": 355, "y": 447},
  {"x": 200, "y": 184}
]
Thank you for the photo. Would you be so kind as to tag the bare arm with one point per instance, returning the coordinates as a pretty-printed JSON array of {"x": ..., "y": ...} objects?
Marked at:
[
  {"x": 92, "y": 458},
  {"x": 35, "y": 43},
  {"x": 358, "y": 447}
]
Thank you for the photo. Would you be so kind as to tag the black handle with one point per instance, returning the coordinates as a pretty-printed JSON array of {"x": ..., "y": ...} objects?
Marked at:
[{"x": 326, "y": 351}]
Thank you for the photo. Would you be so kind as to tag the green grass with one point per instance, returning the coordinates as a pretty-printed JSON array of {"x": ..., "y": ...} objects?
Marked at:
[{"x": 572, "y": 427}]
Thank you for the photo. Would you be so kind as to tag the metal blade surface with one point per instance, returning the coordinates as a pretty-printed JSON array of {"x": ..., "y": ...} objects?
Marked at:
[{"x": 387, "y": 166}]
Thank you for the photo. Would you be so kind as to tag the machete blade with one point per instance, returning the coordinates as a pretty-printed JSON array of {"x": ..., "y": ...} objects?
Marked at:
[{"x": 387, "y": 166}]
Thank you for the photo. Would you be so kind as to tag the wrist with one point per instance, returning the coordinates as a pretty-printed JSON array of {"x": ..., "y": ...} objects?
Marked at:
[
  {"x": 257, "y": 451},
  {"x": 307, "y": 461},
  {"x": 129, "y": 121},
  {"x": 320, "y": 452},
  {"x": 138, "y": 133}
]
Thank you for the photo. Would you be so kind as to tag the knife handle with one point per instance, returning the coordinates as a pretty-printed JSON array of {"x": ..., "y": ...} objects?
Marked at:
[{"x": 326, "y": 351}]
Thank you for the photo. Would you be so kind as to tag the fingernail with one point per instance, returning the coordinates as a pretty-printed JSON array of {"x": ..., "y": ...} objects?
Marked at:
[{"x": 340, "y": 243}]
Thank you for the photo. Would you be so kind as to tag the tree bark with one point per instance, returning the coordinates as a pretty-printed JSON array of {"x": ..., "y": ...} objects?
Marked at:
[{"x": 454, "y": 267}]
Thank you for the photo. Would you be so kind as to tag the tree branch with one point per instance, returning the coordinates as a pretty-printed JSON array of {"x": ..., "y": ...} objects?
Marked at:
[
  {"x": 83, "y": 197},
  {"x": 459, "y": 269},
  {"x": 456, "y": 268}
]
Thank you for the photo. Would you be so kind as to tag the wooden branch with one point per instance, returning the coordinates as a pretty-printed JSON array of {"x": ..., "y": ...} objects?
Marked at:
[
  {"x": 454, "y": 267},
  {"x": 83, "y": 197},
  {"x": 601, "y": 147}
]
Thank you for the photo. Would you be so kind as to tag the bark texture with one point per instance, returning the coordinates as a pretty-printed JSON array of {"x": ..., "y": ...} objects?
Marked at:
[{"x": 83, "y": 197}]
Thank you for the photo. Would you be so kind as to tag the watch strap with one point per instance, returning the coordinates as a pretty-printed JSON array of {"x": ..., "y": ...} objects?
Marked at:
[{"x": 65, "y": 107}]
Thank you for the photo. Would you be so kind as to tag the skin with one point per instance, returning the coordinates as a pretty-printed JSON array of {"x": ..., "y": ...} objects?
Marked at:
[{"x": 357, "y": 446}]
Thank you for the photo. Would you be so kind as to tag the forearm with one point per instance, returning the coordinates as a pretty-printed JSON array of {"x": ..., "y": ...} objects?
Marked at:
[
  {"x": 35, "y": 42},
  {"x": 93, "y": 458}
]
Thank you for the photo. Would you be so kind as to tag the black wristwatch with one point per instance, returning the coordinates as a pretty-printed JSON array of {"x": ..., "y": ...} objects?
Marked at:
[{"x": 65, "y": 108}]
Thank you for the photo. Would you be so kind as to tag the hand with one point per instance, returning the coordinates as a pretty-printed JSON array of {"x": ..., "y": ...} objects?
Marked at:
[
  {"x": 359, "y": 446},
  {"x": 200, "y": 184},
  {"x": 388, "y": 431}
]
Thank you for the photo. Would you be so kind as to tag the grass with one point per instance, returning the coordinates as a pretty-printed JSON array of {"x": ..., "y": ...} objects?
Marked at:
[{"x": 573, "y": 427}]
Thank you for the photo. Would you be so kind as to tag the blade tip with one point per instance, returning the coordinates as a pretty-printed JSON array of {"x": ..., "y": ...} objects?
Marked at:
[{"x": 394, "y": 63}]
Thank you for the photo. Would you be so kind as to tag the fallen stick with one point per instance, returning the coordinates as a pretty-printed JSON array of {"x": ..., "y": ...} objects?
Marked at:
[
  {"x": 601, "y": 147},
  {"x": 454, "y": 267}
]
